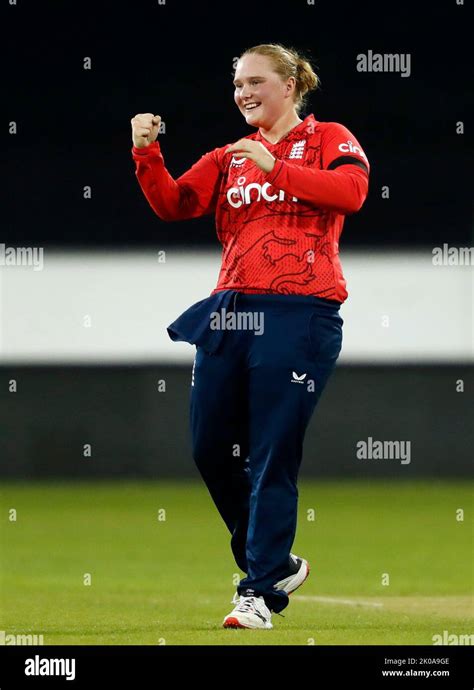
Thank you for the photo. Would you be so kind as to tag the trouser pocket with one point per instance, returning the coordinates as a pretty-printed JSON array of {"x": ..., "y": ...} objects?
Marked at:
[{"x": 325, "y": 335}]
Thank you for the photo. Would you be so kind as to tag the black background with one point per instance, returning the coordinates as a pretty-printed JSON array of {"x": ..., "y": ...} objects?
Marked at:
[{"x": 177, "y": 60}]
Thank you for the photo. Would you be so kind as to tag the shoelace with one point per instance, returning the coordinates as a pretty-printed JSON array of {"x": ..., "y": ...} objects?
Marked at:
[{"x": 247, "y": 605}]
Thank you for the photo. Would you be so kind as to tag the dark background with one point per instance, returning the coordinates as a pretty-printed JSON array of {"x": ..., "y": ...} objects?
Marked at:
[
  {"x": 135, "y": 431},
  {"x": 176, "y": 60}
]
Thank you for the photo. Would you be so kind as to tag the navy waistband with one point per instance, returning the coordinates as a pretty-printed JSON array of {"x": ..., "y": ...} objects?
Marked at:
[
  {"x": 193, "y": 325},
  {"x": 253, "y": 299}
]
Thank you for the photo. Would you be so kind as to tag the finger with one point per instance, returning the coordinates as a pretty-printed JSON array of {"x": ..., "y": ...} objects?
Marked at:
[
  {"x": 144, "y": 125},
  {"x": 232, "y": 146},
  {"x": 143, "y": 120},
  {"x": 244, "y": 154},
  {"x": 235, "y": 147}
]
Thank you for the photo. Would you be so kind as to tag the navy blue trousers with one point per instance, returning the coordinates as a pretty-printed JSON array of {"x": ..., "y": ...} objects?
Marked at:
[{"x": 255, "y": 383}]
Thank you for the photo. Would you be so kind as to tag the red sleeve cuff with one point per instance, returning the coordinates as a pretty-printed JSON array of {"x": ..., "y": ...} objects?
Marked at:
[
  {"x": 273, "y": 174},
  {"x": 145, "y": 150}
]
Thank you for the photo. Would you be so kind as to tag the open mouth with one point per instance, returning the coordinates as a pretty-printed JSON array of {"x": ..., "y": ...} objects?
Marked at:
[{"x": 250, "y": 107}]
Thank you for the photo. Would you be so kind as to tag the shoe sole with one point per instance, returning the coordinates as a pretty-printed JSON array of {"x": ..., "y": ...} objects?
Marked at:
[
  {"x": 296, "y": 575},
  {"x": 233, "y": 622},
  {"x": 308, "y": 570}
]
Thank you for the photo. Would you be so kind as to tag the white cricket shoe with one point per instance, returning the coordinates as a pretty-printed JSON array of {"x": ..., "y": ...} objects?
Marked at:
[
  {"x": 298, "y": 571},
  {"x": 250, "y": 612}
]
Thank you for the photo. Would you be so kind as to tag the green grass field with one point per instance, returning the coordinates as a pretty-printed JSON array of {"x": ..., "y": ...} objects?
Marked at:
[{"x": 171, "y": 581}]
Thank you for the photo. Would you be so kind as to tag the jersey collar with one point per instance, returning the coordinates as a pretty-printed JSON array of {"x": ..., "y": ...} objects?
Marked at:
[{"x": 309, "y": 123}]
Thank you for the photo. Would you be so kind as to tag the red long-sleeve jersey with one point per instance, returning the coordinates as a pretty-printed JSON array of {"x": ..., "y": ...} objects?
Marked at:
[{"x": 279, "y": 230}]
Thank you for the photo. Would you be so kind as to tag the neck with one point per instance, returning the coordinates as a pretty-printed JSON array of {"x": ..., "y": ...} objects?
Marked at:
[{"x": 280, "y": 128}]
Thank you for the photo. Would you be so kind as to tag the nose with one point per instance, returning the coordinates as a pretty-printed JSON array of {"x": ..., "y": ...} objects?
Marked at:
[{"x": 245, "y": 94}]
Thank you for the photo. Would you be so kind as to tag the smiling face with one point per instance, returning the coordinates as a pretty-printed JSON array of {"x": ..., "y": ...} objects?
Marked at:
[{"x": 260, "y": 94}]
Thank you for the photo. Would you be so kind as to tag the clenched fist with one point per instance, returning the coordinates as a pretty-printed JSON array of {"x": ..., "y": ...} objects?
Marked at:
[{"x": 145, "y": 128}]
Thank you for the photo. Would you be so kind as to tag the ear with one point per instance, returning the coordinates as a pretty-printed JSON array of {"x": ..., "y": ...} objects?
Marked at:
[{"x": 290, "y": 85}]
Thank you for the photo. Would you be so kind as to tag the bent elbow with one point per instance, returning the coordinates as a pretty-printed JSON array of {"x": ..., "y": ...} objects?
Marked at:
[
  {"x": 162, "y": 215},
  {"x": 356, "y": 203},
  {"x": 358, "y": 195},
  {"x": 159, "y": 210}
]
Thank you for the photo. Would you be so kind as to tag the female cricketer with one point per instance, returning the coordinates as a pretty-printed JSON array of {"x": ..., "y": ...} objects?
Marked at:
[{"x": 268, "y": 336}]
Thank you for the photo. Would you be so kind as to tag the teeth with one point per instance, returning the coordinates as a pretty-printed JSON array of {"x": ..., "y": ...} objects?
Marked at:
[{"x": 252, "y": 106}]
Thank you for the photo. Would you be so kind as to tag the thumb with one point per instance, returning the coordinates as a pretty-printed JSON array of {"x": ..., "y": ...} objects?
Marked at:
[{"x": 156, "y": 119}]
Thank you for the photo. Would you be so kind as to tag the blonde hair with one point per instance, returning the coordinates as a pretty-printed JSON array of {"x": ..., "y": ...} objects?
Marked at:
[{"x": 288, "y": 62}]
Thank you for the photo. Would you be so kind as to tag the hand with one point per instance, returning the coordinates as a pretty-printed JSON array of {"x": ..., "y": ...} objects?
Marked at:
[
  {"x": 145, "y": 127},
  {"x": 255, "y": 151}
]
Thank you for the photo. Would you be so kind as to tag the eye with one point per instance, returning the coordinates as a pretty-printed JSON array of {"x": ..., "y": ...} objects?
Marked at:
[{"x": 254, "y": 81}]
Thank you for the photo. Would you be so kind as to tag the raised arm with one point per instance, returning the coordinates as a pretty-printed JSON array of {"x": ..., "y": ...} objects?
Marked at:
[{"x": 191, "y": 195}]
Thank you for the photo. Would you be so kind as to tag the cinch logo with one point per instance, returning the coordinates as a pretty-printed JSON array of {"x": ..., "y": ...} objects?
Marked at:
[
  {"x": 348, "y": 147},
  {"x": 236, "y": 196}
]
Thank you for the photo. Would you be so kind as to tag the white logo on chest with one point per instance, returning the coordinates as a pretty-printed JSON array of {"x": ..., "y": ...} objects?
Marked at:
[
  {"x": 248, "y": 193},
  {"x": 237, "y": 161},
  {"x": 297, "y": 149}
]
